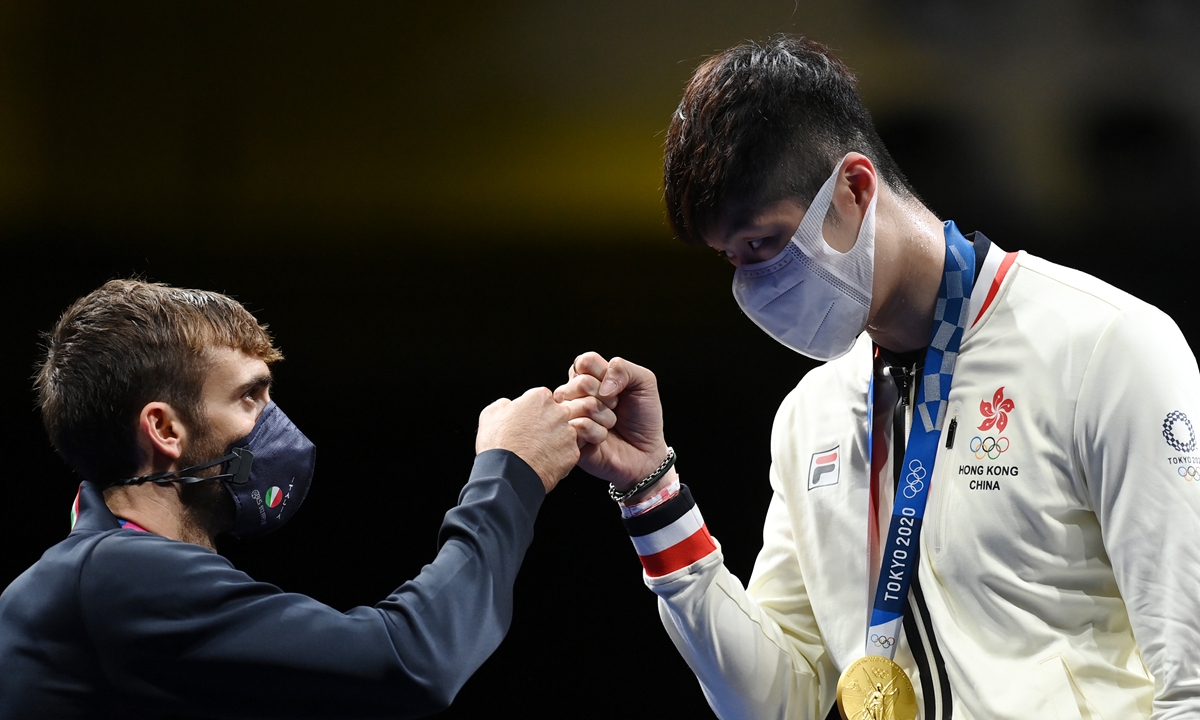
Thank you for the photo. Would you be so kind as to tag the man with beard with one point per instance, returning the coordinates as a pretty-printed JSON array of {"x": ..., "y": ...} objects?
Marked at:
[
  {"x": 160, "y": 398},
  {"x": 984, "y": 506}
]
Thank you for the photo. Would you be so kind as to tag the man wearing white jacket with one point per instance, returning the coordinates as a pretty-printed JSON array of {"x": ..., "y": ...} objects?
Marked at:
[{"x": 985, "y": 505}]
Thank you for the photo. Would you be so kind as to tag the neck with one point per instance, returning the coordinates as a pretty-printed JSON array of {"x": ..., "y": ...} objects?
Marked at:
[
  {"x": 159, "y": 509},
  {"x": 910, "y": 252}
]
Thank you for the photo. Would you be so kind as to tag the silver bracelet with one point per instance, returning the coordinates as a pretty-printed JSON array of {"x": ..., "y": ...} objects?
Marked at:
[{"x": 648, "y": 481}]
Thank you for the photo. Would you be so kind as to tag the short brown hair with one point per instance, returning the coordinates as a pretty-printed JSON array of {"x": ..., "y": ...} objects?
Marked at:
[
  {"x": 127, "y": 344},
  {"x": 761, "y": 123}
]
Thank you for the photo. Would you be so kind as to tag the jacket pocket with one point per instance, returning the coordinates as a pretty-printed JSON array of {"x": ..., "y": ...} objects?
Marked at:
[
  {"x": 944, "y": 474},
  {"x": 1062, "y": 693}
]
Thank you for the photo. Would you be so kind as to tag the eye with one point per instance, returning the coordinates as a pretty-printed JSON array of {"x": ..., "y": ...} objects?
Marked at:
[
  {"x": 257, "y": 393},
  {"x": 762, "y": 243}
]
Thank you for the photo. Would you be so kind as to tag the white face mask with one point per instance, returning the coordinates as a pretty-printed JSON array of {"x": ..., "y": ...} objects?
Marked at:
[{"x": 810, "y": 297}]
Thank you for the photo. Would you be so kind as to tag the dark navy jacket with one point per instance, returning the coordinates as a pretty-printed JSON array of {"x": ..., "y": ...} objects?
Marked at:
[{"x": 113, "y": 622}]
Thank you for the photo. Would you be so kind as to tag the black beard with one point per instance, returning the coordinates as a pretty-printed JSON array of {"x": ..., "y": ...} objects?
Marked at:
[{"x": 207, "y": 505}]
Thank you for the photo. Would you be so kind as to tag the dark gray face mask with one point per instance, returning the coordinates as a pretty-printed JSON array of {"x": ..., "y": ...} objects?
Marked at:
[{"x": 268, "y": 473}]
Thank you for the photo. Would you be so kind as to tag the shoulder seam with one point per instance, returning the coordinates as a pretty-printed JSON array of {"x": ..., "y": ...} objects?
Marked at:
[{"x": 1085, "y": 291}]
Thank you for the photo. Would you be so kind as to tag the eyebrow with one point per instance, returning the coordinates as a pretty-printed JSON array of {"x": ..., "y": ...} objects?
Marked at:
[
  {"x": 742, "y": 222},
  {"x": 258, "y": 383}
]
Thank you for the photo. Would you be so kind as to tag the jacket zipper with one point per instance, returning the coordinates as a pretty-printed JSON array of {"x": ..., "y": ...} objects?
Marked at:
[
  {"x": 903, "y": 417},
  {"x": 943, "y": 493}
]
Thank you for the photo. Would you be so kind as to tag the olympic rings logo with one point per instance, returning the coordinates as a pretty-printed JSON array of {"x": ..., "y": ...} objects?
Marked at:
[
  {"x": 883, "y": 641},
  {"x": 1191, "y": 473},
  {"x": 989, "y": 447},
  {"x": 914, "y": 481}
]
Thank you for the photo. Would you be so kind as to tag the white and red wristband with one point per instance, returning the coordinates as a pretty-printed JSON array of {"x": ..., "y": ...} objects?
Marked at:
[{"x": 672, "y": 536}]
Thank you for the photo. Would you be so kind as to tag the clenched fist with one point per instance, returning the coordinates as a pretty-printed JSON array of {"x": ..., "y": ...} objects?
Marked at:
[
  {"x": 634, "y": 445},
  {"x": 543, "y": 433}
]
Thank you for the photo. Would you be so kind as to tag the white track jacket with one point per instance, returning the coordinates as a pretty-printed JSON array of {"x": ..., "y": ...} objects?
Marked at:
[{"x": 1060, "y": 558}]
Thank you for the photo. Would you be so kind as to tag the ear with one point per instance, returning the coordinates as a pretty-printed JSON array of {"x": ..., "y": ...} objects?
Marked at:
[
  {"x": 856, "y": 187},
  {"x": 161, "y": 434}
]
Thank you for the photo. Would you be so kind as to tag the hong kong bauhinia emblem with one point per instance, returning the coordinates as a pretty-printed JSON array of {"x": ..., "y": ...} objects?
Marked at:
[
  {"x": 995, "y": 413},
  {"x": 995, "y": 418}
]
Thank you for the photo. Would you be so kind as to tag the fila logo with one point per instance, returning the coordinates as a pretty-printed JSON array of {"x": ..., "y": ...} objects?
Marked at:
[{"x": 824, "y": 467}]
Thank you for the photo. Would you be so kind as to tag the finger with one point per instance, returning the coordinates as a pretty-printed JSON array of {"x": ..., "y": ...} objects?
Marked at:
[
  {"x": 592, "y": 408},
  {"x": 590, "y": 363},
  {"x": 584, "y": 386},
  {"x": 568, "y": 393},
  {"x": 588, "y": 432},
  {"x": 623, "y": 376},
  {"x": 560, "y": 392},
  {"x": 578, "y": 387}
]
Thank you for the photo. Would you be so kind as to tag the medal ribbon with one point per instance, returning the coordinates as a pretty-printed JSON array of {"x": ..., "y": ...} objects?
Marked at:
[{"x": 902, "y": 549}]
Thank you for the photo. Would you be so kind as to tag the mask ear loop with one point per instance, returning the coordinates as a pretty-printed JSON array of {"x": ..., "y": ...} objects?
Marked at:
[
  {"x": 240, "y": 460},
  {"x": 810, "y": 237}
]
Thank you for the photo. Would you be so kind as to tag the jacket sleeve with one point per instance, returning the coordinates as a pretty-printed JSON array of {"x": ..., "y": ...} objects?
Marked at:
[
  {"x": 757, "y": 652},
  {"x": 178, "y": 630},
  {"x": 1136, "y": 444}
]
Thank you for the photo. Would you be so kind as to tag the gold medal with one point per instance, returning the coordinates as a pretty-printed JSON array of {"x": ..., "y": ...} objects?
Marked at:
[{"x": 875, "y": 688}]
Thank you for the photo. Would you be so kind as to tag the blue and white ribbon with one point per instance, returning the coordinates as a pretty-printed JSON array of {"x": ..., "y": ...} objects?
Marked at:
[{"x": 902, "y": 550}]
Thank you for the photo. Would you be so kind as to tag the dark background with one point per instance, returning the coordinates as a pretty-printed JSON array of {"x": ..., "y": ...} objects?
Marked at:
[{"x": 434, "y": 205}]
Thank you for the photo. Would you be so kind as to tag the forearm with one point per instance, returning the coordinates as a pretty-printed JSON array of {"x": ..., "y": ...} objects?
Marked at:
[
  {"x": 748, "y": 664},
  {"x": 173, "y": 619},
  {"x": 449, "y": 619}
]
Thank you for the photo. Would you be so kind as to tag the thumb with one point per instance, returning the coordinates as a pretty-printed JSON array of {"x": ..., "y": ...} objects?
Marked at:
[{"x": 621, "y": 374}]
